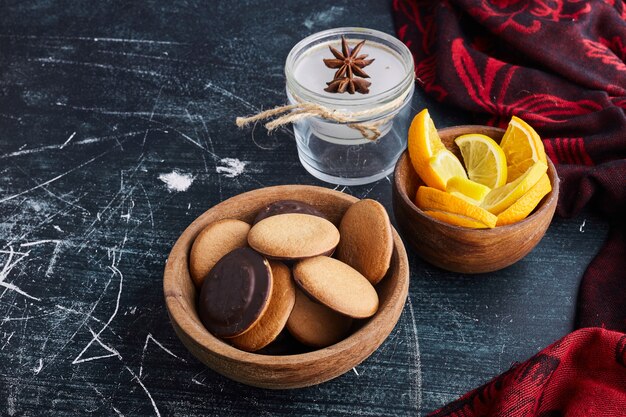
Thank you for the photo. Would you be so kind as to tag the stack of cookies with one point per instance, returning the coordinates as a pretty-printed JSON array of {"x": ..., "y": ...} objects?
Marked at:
[{"x": 291, "y": 269}]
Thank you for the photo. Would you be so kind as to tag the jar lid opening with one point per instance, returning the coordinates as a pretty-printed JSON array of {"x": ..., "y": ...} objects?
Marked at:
[{"x": 391, "y": 77}]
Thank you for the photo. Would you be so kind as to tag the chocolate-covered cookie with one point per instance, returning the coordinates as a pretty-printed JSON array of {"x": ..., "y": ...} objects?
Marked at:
[
  {"x": 213, "y": 242},
  {"x": 273, "y": 321},
  {"x": 235, "y": 293},
  {"x": 287, "y": 206}
]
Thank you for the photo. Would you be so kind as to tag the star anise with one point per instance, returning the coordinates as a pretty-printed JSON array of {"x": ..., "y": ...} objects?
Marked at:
[
  {"x": 348, "y": 61},
  {"x": 343, "y": 84}
]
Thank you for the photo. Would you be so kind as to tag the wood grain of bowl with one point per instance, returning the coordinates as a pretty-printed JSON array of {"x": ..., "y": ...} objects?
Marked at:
[
  {"x": 461, "y": 249},
  {"x": 284, "y": 371}
]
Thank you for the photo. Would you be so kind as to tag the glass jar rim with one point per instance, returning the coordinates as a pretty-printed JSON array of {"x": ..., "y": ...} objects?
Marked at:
[{"x": 341, "y": 101}]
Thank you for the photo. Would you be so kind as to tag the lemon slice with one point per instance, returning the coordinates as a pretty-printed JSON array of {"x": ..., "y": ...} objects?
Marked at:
[
  {"x": 522, "y": 147},
  {"x": 456, "y": 219},
  {"x": 432, "y": 199},
  {"x": 526, "y": 203},
  {"x": 484, "y": 159},
  {"x": 499, "y": 199},
  {"x": 443, "y": 166},
  {"x": 468, "y": 190},
  {"x": 423, "y": 144}
]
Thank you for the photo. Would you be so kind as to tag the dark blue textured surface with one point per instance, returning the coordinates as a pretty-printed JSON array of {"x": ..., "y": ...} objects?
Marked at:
[{"x": 100, "y": 100}]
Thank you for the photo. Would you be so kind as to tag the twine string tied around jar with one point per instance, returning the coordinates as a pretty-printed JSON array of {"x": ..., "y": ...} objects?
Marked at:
[{"x": 292, "y": 113}]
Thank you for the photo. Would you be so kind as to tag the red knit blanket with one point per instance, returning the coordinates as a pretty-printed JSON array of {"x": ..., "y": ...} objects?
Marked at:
[{"x": 561, "y": 66}]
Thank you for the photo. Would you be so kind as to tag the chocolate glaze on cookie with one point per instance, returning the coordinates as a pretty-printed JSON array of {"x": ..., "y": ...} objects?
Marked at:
[
  {"x": 287, "y": 206},
  {"x": 235, "y": 293}
]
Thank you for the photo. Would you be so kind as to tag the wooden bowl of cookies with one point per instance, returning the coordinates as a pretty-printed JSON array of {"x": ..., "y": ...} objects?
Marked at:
[
  {"x": 289, "y": 369},
  {"x": 461, "y": 249}
]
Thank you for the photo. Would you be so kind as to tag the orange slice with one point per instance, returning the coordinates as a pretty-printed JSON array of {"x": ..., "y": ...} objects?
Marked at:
[
  {"x": 432, "y": 199},
  {"x": 501, "y": 198},
  {"x": 423, "y": 144},
  {"x": 443, "y": 166},
  {"x": 525, "y": 204},
  {"x": 522, "y": 147},
  {"x": 456, "y": 219},
  {"x": 468, "y": 190},
  {"x": 484, "y": 159}
]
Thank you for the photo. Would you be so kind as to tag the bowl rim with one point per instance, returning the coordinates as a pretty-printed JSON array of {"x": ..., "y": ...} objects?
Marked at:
[
  {"x": 552, "y": 195},
  {"x": 184, "y": 321}
]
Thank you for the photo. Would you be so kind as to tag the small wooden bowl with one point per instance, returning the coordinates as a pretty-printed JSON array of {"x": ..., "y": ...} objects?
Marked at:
[
  {"x": 461, "y": 249},
  {"x": 286, "y": 371}
]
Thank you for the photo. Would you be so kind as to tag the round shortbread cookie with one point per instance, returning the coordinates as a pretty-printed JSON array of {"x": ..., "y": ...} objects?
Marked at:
[
  {"x": 286, "y": 206},
  {"x": 273, "y": 320},
  {"x": 213, "y": 242},
  {"x": 293, "y": 236},
  {"x": 366, "y": 240},
  {"x": 337, "y": 286},
  {"x": 316, "y": 325},
  {"x": 235, "y": 293}
]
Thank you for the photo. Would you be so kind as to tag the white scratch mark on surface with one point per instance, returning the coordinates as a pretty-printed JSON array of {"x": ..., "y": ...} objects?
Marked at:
[
  {"x": 122, "y": 113},
  {"x": 156, "y": 342},
  {"x": 185, "y": 136},
  {"x": 232, "y": 167},
  {"x": 324, "y": 17},
  {"x": 50, "y": 60},
  {"x": 156, "y": 101},
  {"x": 189, "y": 139},
  {"x": 92, "y": 39},
  {"x": 11, "y": 400},
  {"x": 135, "y": 377},
  {"x": 55, "y": 252},
  {"x": 232, "y": 96},
  {"x": 177, "y": 181},
  {"x": 57, "y": 228},
  {"x": 500, "y": 356},
  {"x": 86, "y": 316},
  {"x": 8, "y": 339},
  {"x": 195, "y": 381},
  {"x": 417, "y": 365},
  {"x": 53, "y": 258},
  {"x": 14, "y": 252},
  {"x": 68, "y": 140},
  {"x": 43, "y": 184},
  {"x": 131, "y": 54},
  {"x": 8, "y": 116},
  {"x": 355, "y": 371},
  {"x": 130, "y": 210},
  {"x": 69, "y": 203},
  {"x": 105, "y": 399},
  {"x": 122, "y": 40},
  {"x": 86, "y": 141},
  {"x": 582, "y": 226},
  {"x": 71, "y": 310},
  {"x": 39, "y": 366},
  {"x": 40, "y": 242},
  {"x": 149, "y": 205},
  {"x": 96, "y": 336},
  {"x": 8, "y": 266},
  {"x": 25, "y": 318}
]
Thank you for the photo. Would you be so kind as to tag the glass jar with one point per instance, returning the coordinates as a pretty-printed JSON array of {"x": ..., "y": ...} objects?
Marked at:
[{"x": 338, "y": 152}]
